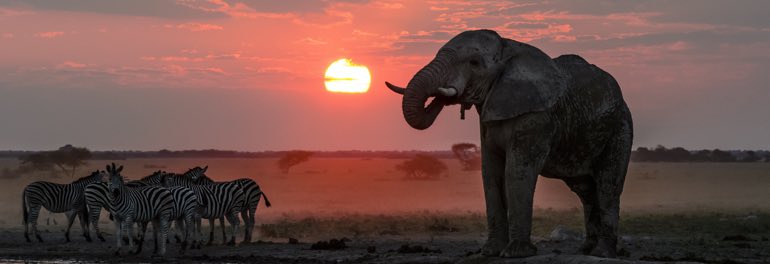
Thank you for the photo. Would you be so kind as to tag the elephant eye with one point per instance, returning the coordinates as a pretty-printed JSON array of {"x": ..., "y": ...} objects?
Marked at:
[{"x": 474, "y": 63}]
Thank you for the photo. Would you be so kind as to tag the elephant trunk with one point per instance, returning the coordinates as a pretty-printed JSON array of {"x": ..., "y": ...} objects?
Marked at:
[{"x": 423, "y": 85}]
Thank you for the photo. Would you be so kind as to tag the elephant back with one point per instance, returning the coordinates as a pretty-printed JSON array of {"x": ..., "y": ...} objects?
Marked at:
[{"x": 593, "y": 87}]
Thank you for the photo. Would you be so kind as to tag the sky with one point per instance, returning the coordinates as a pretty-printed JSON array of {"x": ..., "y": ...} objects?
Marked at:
[{"x": 248, "y": 75}]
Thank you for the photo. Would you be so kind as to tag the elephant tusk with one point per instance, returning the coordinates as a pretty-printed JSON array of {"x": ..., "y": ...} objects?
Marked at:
[
  {"x": 448, "y": 92},
  {"x": 398, "y": 90}
]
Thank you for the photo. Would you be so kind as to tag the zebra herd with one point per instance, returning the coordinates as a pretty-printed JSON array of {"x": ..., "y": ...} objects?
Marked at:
[{"x": 160, "y": 198}]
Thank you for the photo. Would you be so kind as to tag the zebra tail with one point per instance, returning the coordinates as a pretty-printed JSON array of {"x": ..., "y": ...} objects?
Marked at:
[
  {"x": 267, "y": 201},
  {"x": 24, "y": 208}
]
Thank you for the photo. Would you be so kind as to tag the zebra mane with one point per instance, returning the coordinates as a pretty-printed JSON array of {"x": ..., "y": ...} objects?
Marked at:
[
  {"x": 205, "y": 179},
  {"x": 189, "y": 171},
  {"x": 154, "y": 177},
  {"x": 93, "y": 174}
]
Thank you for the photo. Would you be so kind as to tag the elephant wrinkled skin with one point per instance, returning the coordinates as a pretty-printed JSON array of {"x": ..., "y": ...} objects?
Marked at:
[{"x": 560, "y": 118}]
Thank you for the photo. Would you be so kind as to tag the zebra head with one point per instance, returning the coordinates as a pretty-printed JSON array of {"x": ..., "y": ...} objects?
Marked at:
[
  {"x": 196, "y": 173},
  {"x": 115, "y": 184}
]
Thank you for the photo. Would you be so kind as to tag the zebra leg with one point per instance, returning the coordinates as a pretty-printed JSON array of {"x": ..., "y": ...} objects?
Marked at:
[
  {"x": 252, "y": 220},
  {"x": 178, "y": 229},
  {"x": 187, "y": 228},
  {"x": 83, "y": 218},
  {"x": 93, "y": 214},
  {"x": 245, "y": 216},
  {"x": 142, "y": 231},
  {"x": 155, "y": 226},
  {"x": 164, "y": 225},
  {"x": 70, "y": 221},
  {"x": 234, "y": 222},
  {"x": 128, "y": 224},
  {"x": 119, "y": 235},
  {"x": 198, "y": 233},
  {"x": 211, "y": 232},
  {"x": 34, "y": 211},
  {"x": 222, "y": 226}
]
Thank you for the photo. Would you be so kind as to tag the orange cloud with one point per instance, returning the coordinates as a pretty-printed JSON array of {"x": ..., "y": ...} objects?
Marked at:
[
  {"x": 195, "y": 27},
  {"x": 49, "y": 34}
]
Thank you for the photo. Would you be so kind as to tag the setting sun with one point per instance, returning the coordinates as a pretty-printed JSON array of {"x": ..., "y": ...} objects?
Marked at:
[{"x": 343, "y": 76}]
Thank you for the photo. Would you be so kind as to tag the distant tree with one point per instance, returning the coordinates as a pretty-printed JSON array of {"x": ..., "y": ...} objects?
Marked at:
[
  {"x": 750, "y": 156},
  {"x": 702, "y": 156},
  {"x": 678, "y": 154},
  {"x": 468, "y": 154},
  {"x": 291, "y": 158},
  {"x": 641, "y": 154},
  {"x": 422, "y": 167},
  {"x": 67, "y": 158},
  {"x": 721, "y": 156}
]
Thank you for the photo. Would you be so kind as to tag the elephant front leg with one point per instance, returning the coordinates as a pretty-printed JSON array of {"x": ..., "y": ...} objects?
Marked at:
[
  {"x": 524, "y": 161},
  {"x": 493, "y": 170}
]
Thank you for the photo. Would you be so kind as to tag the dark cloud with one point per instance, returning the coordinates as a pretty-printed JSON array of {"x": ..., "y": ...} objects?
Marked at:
[{"x": 149, "y": 8}]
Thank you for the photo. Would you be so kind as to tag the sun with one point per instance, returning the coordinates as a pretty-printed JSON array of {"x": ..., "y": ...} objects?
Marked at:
[{"x": 343, "y": 76}]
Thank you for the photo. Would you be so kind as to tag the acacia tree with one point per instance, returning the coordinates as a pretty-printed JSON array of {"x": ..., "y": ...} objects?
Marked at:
[
  {"x": 468, "y": 154},
  {"x": 422, "y": 167},
  {"x": 67, "y": 159},
  {"x": 291, "y": 158}
]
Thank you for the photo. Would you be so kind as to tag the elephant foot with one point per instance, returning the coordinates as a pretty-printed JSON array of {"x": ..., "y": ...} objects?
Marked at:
[
  {"x": 117, "y": 252},
  {"x": 101, "y": 238},
  {"x": 493, "y": 247},
  {"x": 587, "y": 246},
  {"x": 39, "y": 238},
  {"x": 519, "y": 249},
  {"x": 88, "y": 238},
  {"x": 67, "y": 238},
  {"x": 26, "y": 236},
  {"x": 605, "y": 249},
  {"x": 231, "y": 242}
]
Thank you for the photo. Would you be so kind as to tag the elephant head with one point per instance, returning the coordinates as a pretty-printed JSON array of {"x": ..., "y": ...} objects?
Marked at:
[{"x": 505, "y": 78}]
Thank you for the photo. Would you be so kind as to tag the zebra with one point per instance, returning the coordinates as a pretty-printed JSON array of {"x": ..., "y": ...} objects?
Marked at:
[
  {"x": 97, "y": 197},
  {"x": 185, "y": 209},
  {"x": 251, "y": 189},
  {"x": 185, "y": 214},
  {"x": 57, "y": 198},
  {"x": 142, "y": 205},
  {"x": 218, "y": 200}
]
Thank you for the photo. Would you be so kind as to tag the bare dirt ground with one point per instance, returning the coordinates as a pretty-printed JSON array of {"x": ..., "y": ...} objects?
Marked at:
[{"x": 672, "y": 212}]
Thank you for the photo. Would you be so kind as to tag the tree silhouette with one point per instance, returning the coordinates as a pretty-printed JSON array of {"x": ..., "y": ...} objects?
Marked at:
[
  {"x": 468, "y": 154},
  {"x": 67, "y": 158},
  {"x": 422, "y": 167},
  {"x": 291, "y": 158}
]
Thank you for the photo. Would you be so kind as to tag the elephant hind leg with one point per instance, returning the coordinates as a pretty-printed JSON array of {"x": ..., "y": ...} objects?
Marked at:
[
  {"x": 585, "y": 188},
  {"x": 610, "y": 174}
]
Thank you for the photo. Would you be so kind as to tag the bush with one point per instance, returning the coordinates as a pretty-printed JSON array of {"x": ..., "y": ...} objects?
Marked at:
[{"x": 422, "y": 167}]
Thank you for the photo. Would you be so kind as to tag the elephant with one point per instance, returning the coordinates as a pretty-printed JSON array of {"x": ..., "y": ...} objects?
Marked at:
[{"x": 560, "y": 118}]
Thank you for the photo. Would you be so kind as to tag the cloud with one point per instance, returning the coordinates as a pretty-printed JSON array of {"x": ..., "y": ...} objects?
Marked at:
[
  {"x": 311, "y": 41},
  {"x": 71, "y": 64},
  {"x": 195, "y": 27},
  {"x": 170, "y": 9},
  {"x": 49, "y": 34}
]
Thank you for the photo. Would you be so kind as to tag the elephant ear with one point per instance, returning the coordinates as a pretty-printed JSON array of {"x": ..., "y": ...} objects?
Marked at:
[{"x": 530, "y": 82}]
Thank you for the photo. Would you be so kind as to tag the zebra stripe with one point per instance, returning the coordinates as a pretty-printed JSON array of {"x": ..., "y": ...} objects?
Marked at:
[
  {"x": 217, "y": 200},
  {"x": 252, "y": 193},
  {"x": 57, "y": 198},
  {"x": 185, "y": 213},
  {"x": 141, "y": 205},
  {"x": 97, "y": 197}
]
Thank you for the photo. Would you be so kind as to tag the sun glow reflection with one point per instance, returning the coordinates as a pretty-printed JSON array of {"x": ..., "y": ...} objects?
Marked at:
[{"x": 343, "y": 76}]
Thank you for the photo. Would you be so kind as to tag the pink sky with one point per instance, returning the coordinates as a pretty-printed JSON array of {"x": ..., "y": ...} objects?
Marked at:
[{"x": 248, "y": 75}]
